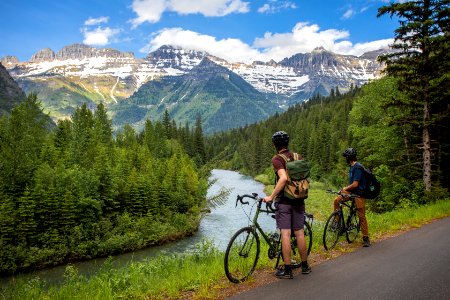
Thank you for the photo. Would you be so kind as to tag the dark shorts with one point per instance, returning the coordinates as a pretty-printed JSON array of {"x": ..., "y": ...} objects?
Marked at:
[{"x": 290, "y": 216}]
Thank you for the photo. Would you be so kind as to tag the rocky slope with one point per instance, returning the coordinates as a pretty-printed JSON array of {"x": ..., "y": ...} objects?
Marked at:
[
  {"x": 222, "y": 98},
  {"x": 80, "y": 73},
  {"x": 10, "y": 92}
]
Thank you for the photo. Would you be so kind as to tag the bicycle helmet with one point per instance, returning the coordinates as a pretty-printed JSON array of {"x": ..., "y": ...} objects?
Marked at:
[
  {"x": 280, "y": 138},
  {"x": 349, "y": 152}
]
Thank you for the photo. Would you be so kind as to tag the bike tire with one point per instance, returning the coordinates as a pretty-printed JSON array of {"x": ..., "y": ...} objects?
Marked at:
[
  {"x": 242, "y": 255},
  {"x": 308, "y": 237},
  {"x": 352, "y": 228},
  {"x": 330, "y": 234}
]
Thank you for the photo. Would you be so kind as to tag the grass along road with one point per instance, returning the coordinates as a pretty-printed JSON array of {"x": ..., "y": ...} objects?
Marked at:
[{"x": 200, "y": 275}]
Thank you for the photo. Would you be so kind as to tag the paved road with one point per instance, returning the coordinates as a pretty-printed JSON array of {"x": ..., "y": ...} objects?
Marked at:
[{"x": 414, "y": 265}]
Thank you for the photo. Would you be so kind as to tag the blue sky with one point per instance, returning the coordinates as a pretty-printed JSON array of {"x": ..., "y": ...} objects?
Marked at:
[{"x": 237, "y": 30}]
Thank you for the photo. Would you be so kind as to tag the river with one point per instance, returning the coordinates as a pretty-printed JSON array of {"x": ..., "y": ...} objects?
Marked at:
[{"x": 217, "y": 226}]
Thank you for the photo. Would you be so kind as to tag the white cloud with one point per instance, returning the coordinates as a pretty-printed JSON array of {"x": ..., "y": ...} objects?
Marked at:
[
  {"x": 148, "y": 11},
  {"x": 348, "y": 14},
  {"x": 302, "y": 39},
  {"x": 276, "y": 6},
  {"x": 264, "y": 8},
  {"x": 99, "y": 36},
  {"x": 230, "y": 49},
  {"x": 96, "y": 21},
  {"x": 152, "y": 10}
]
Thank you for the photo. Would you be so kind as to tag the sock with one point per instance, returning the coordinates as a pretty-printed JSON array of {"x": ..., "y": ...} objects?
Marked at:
[{"x": 287, "y": 268}]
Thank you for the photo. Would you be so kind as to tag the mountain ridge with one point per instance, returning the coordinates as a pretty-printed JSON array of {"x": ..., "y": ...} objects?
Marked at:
[
  {"x": 220, "y": 97},
  {"x": 79, "y": 73}
]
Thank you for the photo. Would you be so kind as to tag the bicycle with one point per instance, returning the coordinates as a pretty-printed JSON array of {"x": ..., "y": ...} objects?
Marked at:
[
  {"x": 337, "y": 225},
  {"x": 242, "y": 253}
]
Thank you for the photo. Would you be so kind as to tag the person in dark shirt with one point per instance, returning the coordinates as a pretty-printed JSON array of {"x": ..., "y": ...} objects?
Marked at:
[
  {"x": 289, "y": 213},
  {"x": 357, "y": 183}
]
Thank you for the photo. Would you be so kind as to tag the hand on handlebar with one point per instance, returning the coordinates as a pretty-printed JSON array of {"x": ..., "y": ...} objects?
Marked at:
[{"x": 267, "y": 199}]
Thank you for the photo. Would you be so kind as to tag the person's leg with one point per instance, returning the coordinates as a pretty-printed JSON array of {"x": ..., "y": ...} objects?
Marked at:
[
  {"x": 283, "y": 218},
  {"x": 301, "y": 244},
  {"x": 336, "y": 202},
  {"x": 361, "y": 210},
  {"x": 298, "y": 226},
  {"x": 286, "y": 246}
]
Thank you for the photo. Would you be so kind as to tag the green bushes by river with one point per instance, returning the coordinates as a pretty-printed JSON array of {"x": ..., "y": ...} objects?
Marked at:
[{"x": 76, "y": 192}]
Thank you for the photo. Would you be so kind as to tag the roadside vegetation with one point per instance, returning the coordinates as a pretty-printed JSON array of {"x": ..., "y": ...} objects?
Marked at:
[{"x": 200, "y": 274}]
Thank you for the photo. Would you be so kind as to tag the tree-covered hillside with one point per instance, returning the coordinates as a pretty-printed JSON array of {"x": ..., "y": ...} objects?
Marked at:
[
  {"x": 323, "y": 127},
  {"x": 220, "y": 97},
  {"x": 76, "y": 192}
]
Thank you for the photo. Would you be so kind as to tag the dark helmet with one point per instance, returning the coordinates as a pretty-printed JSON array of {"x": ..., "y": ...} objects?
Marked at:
[
  {"x": 280, "y": 138},
  {"x": 349, "y": 152}
]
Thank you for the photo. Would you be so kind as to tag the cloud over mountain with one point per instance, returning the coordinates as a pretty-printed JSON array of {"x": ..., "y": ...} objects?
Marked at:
[
  {"x": 152, "y": 10},
  {"x": 303, "y": 38}
]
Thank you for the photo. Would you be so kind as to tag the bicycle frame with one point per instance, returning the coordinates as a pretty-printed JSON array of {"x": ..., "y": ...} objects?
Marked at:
[
  {"x": 242, "y": 253},
  {"x": 348, "y": 223},
  {"x": 352, "y": 210},
  {"x": 256, "y": 225},
  {"x": 273, "y": 245}
]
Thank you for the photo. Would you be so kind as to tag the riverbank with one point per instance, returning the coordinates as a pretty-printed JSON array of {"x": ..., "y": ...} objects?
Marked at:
[
  {"x": 129, "y": 234},
  {"x": 199, "y": 274}
]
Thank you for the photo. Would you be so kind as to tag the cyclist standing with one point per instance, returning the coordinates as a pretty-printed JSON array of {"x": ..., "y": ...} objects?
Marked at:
[
  {"x": 290, "y": 213},
  {"x": 356, "y": 186}
]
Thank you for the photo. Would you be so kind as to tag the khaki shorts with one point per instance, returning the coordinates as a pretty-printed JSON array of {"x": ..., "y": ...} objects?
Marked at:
[{"x": 290, "y": 216}]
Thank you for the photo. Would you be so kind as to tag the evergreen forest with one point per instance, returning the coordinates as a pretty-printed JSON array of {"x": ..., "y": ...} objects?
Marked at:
[
  {"x": 76, "y": 192},
  {"x": 322, "y": 128}
]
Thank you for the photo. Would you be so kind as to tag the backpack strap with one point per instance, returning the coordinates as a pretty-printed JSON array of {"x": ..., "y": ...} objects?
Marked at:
[{"x": 286, "y": 159}]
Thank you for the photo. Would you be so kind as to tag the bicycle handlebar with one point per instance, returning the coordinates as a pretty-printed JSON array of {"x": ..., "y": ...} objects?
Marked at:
[
  {"x": 342, "y": 194},
  {"x": 254, "y": 196}
]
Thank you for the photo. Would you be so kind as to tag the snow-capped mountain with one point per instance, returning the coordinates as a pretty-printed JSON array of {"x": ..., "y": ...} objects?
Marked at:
[{"x": 79, "y": 73}]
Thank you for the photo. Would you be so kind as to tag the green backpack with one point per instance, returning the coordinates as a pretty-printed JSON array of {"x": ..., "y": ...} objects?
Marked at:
[{"x": 297, "y": 171}]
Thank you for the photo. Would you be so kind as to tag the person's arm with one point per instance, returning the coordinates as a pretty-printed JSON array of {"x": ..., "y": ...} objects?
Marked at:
[
  {"x": 357, "y": 176},
  {"x": 351, "y": 187},
  {"x": 279, "y": 186}
]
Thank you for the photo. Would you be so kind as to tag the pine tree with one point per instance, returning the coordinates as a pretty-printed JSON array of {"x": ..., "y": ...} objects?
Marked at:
[
  {"x": 102, "y": 126},
  {"x": 21, "y": 139},
  {"x": 199, "y": 144},
  {"x": 26, "y": 228},
  {"x": 167, "y": 125},
  {"x": 421, "y": 64},
  {"x": 81, "y": 146}
]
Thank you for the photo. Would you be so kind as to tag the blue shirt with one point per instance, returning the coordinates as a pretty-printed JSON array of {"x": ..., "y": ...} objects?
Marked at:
[{"x": 356, "y": 173}]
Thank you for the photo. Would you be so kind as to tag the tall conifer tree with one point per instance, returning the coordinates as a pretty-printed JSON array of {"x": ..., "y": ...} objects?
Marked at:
[{"x": 421, "y": 64}]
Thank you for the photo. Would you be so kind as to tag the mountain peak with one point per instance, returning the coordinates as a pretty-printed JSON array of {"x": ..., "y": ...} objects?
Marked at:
[
  {"x": 319, "y": 49},
  {"x": 176, "y": 58},
  {"x": 81, "y": 51},
  {"x": 9, "y": 60},
  {"x": 45, "y": 54}
]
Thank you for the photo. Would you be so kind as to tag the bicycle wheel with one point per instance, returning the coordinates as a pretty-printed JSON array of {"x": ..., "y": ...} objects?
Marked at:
[
  {"x": 352, "y": 227},
  {"x": 332, "y": 231},
  {"x": 308, "y": 237},
  {"x": 241, "y": 255}
]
